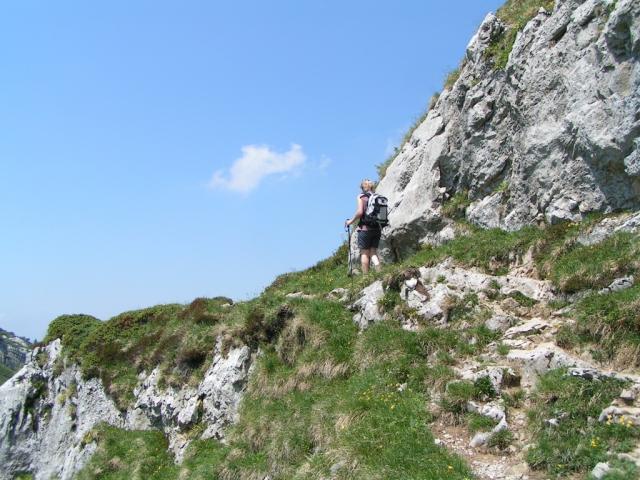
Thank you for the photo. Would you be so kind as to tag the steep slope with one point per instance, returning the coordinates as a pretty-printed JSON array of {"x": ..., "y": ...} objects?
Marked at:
[
  {"x": 541, "y": 125},
  {"x": 495, "y": 355},
  {"x": 13, "y": 354}
]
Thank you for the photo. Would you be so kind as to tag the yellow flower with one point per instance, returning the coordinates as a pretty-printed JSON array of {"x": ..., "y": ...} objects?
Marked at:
[{"x": 450, "y": 467}]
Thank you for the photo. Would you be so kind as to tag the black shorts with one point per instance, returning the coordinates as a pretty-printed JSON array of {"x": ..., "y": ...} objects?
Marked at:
[{"x": 369, "y": 238}]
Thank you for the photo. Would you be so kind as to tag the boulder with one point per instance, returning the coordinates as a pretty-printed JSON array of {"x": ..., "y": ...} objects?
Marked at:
[
  {"x": 531, "y": 327},
  {"x": 367, "y": 306},
  {"x": 538, "y": 361}
]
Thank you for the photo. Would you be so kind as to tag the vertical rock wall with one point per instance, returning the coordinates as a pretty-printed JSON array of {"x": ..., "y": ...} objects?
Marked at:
[{"x": 553, "y": 136}]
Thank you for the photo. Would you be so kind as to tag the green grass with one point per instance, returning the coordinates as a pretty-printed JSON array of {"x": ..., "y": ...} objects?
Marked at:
[
  {"x": 299, "y": 419},
  {"x": 596, "y": 266},
  {"x": 5, "y": 373},
  {"x": 500, "y": 439},
  {"x": 128, "y": 455},
  {"x": 489, "y": 250},
  {"x": 452, "y": 77},
  {"x": 612, "y": 323},
  {"x": 455, "y": 206},
  {"x": 325, "y": 396},
  {"x": 579, "y": 442},
  {"x": 515, "y": 14},
  {"x": 321, "y": 393},
  {"x": 479, "y": 423},
  {"x": 622, "y": 470},
  {"x": 180, "y": 339}
]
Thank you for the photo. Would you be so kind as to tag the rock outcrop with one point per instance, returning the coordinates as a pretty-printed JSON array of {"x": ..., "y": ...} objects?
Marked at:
[
  {"x": 48, "y": 409},
  {"x": 13, "y": 350},
  {"x": 553, "y": 136}
]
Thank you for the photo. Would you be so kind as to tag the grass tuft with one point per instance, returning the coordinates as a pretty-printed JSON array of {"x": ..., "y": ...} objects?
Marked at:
[
  {"x": 515, "y": 14},
  {"x": 579, "y": 441}
]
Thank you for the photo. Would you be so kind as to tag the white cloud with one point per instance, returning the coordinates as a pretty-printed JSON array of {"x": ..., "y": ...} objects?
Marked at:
[
  {"x": 256, "y": 163},
  {"x": 324, "y": 163}
]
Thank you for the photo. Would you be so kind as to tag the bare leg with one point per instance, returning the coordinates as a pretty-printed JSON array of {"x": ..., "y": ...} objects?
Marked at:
[
  {"x": 375, "y": 261},
  {"x": 364, "y": 260}
]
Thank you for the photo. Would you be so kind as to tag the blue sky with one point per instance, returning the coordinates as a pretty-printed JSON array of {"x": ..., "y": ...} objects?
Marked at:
[{"x": 157, "y": 151}]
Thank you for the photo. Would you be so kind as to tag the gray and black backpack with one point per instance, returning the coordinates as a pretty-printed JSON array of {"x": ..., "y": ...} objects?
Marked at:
[{"x": 377, "y": 211}]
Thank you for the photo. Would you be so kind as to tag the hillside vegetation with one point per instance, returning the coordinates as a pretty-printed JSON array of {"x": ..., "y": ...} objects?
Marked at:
[{"x": 325, "y": 400}]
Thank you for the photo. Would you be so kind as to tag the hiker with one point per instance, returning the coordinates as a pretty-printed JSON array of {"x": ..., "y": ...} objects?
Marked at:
[{"x": 369, "y": 230}]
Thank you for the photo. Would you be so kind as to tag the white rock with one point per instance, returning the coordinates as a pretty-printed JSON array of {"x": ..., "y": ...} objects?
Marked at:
[
  {"x": 50, "y": 444},
  {"x": 600, "y": 470},
  {"x": 531, "y": 327},
  {"x": 500, "y": 322},
  {"x": 618, "y": 284},
  {"x": 616, "y": 413},
  {"x": 541, "y": 359},
  {"x": 609, "y": 226},
  {"x": 367, "y": 308}
]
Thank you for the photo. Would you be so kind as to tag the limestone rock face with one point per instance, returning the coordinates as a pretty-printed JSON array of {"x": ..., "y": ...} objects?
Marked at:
[
  {"x": 552, "y": 136},
  {"x": 45, "y": 414},
  {"x": 44, "y": 418},
  {"x": 215, "y": 400},
  {"x": 13, "y": 350}
]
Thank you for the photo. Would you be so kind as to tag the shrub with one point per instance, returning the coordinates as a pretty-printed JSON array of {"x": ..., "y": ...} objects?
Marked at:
[
  {"x": 456, "y": 396},
  {"x": 72, "y": 330},
  {"x": 522, "y": 299},
  {"x": 389, "y": 301},
  {"x": 500, "y": 439},
  {"x": 192, "y": 357},
  {"x": 483, "y": 389}
]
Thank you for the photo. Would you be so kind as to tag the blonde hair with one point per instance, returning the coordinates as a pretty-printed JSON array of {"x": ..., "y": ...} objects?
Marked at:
[{"x": 367, "y": 185}]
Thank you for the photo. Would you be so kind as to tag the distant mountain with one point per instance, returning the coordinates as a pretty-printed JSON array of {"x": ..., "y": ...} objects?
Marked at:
[{"x": 13, "y": 354}]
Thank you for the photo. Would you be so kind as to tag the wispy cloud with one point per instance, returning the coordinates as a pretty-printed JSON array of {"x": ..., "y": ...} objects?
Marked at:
[
  {"x": 256, "y": 163},
  {"x": 324, "y": 163}
]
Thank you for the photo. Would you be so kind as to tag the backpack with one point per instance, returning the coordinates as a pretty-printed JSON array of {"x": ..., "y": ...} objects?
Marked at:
[{"x": 376, "y": 213}]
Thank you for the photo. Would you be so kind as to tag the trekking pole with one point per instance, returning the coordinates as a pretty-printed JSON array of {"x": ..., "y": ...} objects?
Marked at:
[{"x": 349, "y": 266}]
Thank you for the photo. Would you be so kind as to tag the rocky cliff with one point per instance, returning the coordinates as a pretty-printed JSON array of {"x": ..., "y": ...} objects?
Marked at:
[
  {"x": 551, "y": 135},
  {"x": 13, "y": 354},
  {"x": 49, "y": 411}
]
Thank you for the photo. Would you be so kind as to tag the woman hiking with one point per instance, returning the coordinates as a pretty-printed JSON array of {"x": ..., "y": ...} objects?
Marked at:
[{"x": 368, "y": 231}]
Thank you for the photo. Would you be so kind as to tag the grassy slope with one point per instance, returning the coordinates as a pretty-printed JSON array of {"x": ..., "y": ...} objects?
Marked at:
[
  {"x": 322, "y": 395},
  {"x": 5, "y": 374}
]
